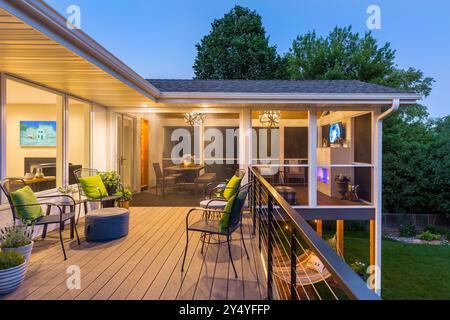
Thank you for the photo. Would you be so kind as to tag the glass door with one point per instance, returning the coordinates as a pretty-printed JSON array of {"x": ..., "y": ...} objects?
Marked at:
[{"x": 125, "y": 149}]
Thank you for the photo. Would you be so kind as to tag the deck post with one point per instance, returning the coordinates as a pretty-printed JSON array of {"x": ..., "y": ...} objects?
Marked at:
[
  {"x": 319, "y": 227},
  {"x": 372, "y": 242},
  {"x": 340, "y": 237}
]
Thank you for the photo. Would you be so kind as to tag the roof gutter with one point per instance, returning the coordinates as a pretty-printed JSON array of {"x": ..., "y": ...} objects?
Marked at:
[{"x": 390, "y": 111}]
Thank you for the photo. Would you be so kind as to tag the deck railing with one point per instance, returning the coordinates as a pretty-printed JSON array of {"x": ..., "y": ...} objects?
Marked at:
[{"x": 291, "y": 249}]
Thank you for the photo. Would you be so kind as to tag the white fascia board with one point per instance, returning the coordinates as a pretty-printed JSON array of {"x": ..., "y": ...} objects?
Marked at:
[{"x": 282, "y": 98}]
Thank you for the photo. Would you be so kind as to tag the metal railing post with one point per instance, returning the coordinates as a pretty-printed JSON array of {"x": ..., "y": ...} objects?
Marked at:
[
  {"x": 269, "y": 247},
  {"x": 259, "y": 214},
  {"x": 293, "y": 263}
]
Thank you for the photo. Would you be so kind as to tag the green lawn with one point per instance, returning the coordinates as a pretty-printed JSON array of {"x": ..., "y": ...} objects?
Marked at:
[{"x": 409, "y": 271}]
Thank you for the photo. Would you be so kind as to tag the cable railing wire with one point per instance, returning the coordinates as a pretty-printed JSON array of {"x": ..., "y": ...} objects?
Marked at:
[{"x": 270, "y": 211}]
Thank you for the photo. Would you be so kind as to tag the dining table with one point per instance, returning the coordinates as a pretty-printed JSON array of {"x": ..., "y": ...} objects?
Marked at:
[{"x": 183, "y": 169}]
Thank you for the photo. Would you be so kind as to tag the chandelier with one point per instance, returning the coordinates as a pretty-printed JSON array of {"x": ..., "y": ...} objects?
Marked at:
[
  {"x": 194, "y": 118},
  {"x": 270, "y": 118}
]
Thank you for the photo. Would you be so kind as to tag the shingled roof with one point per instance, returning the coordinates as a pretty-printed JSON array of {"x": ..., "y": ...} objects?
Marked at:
[{"x": 273, "y": 86}]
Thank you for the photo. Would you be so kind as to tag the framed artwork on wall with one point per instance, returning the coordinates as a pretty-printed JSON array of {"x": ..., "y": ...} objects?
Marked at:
[{"x": 38, "y": 133}]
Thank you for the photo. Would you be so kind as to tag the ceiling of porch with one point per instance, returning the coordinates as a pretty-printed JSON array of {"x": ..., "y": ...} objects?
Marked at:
[{"x": 30, "y": 54}]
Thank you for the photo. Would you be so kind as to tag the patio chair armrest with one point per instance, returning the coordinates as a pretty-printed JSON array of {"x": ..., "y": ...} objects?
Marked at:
[
  {"x": 72, "y": 200},
  {"x": 49, "y": 205},
  {"x": 212, "y": 200},
  {"x": 218, "y": 185},
  {"x": 201, "y": 210}
]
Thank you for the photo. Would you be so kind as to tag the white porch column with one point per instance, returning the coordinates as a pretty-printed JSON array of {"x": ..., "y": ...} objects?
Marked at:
[
  {"x": 245, "y": 140},
  {"x": 65, "y": 140},
  {"x": 312, "y": 156},
  {"x": 2, "y": 131},
  {"x": 378, "y": 195}
]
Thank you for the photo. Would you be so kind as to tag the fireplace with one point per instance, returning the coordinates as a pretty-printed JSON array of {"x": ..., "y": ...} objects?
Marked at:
[{"x": 323, "y": 175}]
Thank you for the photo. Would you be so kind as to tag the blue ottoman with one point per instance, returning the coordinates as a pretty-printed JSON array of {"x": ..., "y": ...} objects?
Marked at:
[{"x": 107, "y": 224}]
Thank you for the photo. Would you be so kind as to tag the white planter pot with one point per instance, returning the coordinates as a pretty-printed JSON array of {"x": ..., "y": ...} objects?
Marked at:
[
  {"x": 11, "y": 279},
  {"x": 25, "y": 251}
]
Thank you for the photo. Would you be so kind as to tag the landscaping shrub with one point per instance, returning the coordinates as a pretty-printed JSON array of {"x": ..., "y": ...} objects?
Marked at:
[
  {"x": 407, "y": 231},
  {"x": 429, "y": 236},
  {"x": 431, "y": 228}
]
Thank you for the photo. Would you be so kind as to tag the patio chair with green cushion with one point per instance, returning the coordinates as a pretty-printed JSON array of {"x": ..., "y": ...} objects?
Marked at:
[
  {"x": 91, "y": 186},
  {"x": 229, "y": 222},
  {"x": 222, "y": 192},
  {"x": 25, "y": 207}
]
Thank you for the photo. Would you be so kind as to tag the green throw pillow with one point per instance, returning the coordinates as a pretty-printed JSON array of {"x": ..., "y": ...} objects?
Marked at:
[
  {"x": 26, "y": 196},
  {"x": 225, "y": 219},
  {"x": 232, "y": 187},
  {"x": 91, "y": 186}
]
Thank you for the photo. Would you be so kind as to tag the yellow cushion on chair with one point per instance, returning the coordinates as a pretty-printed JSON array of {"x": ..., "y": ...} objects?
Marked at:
[
  {"x": 93, "y": 187},
  {"x": 232, "y": 187},
  {"x": 26, "y": 196}
]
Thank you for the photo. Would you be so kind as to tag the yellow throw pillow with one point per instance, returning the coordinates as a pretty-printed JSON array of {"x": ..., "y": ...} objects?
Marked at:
[
  {"x": 232, "y": 187},
  {"x": 225, "y": 218},
  {"x": 26, "y": 196},
  {"x": 93, "y": 187}
]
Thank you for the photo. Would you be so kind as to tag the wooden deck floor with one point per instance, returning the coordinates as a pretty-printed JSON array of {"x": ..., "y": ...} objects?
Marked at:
[{"x": 144, "y": 265}]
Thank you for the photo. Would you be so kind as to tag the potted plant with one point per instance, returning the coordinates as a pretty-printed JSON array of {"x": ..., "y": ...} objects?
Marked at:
[
  {"x": 342, "y": 186},
  {"x": 67, "y": 191},
  {"x": 13, "y": 267},
  {"x": 126, "y": 196},
  {"x": 111, "y": 180},
  {"x": 17, "y": 238}
]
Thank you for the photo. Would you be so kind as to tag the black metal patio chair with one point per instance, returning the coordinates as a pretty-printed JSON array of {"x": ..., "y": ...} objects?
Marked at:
[
  {"x": 10, "y": 185},
  {"x": 209, "y": 225},
  {"x": 105, "y": 202}
]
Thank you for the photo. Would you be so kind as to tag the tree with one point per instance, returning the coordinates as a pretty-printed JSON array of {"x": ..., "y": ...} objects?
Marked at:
[
  {"x": 237, "y": 48},
  {"x": 439, "y": 152},
  {"x": 344, "y": 55},
  {"x": 341, "y": 55}
]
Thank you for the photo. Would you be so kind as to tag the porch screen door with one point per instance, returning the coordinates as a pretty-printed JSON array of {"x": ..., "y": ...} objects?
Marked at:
[{"x": 125, "y": 149}]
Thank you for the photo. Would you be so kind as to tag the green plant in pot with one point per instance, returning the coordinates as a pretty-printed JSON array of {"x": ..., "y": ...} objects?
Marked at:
[
  {"x": 111, "y": 180},
  {"x": 125, "y": 197},
  {"x": 17, "y": 238},
  {"x": 67, "y": 191},
  {"x": 13, "y": 267}
]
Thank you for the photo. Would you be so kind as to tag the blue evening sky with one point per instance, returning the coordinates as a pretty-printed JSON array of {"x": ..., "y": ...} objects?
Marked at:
[{"x": 157, "y": 38}]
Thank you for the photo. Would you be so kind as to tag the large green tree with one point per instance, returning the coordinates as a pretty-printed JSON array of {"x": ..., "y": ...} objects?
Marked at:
[
  {"x": 237, "y": 48},
  {"x": 439, "y": 152}
]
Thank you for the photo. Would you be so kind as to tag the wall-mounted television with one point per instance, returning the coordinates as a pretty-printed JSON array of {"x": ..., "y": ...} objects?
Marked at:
[{"x": 337, "y": 132}]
